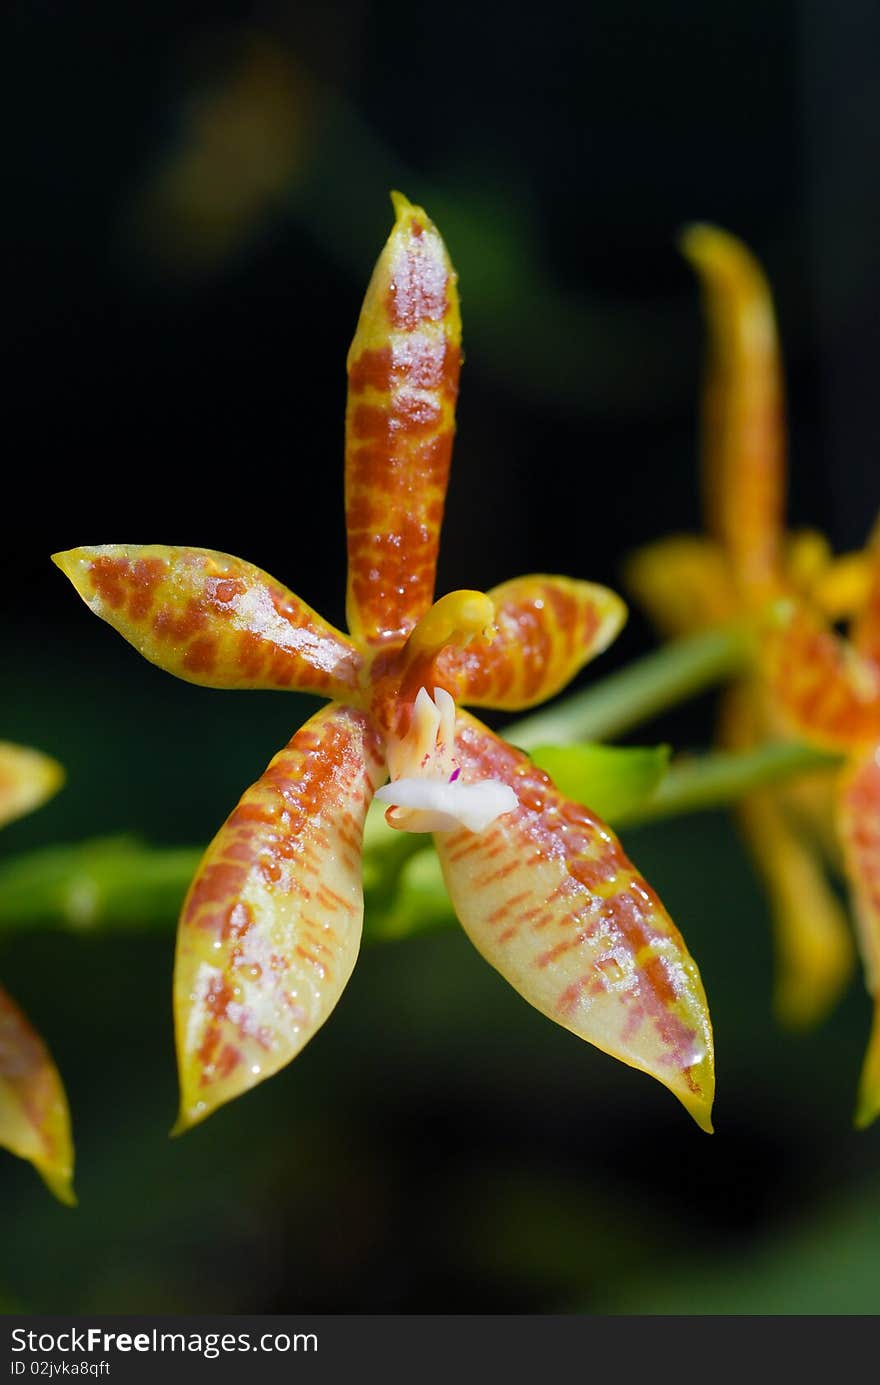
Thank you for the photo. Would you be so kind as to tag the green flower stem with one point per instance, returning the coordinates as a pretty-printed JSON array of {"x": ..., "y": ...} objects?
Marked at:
[
  {"x": 82, "y": 887},
  {"x": 638, "y": 692},
  {"x": 718, "y": 779},
  {"x": 125, "y": 884}
]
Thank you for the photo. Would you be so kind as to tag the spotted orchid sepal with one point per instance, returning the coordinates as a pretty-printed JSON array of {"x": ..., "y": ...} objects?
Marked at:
[
  {"x": 34, "y": 1114},
  {"x": 272, "y": 922}
]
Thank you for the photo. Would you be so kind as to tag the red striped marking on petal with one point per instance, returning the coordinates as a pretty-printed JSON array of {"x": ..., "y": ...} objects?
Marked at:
[{"x": 575, "y": 928}]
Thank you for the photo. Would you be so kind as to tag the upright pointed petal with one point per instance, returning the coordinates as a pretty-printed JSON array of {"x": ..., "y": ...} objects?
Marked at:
[
  {"x": 27, "y": 779},
  {"x": 860, "y": 831},
  {"x": 684, "y": 583},
  {"x": 34, "y": 1119},
  {"x": 403, "y": 370},
  {"x": 271, "y": 926},
  {"x": 549, "y": 898},
  {"x": 212, "y": 619},
  {"x": 545, "y": 630},
  {"x": 743, "y": 440},
  {"x": 818, "y": 683}
]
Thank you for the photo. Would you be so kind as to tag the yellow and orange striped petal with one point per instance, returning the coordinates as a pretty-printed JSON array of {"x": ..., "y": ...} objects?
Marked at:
[
  {"x": 548, "y": 897},
  {"x": 860, "y": 831},
  {"x": 34, "y": 1117},
  {"x": 271, "y": 926},
  {"x": 403, "y": 370},
  {"x": 545, "y": 630},
  {"x": 684, "y": 583},
  {"x": 743, "y": 434},
  {"x": 27, "y": 779},
  {"x": 818, "y": 683},
  {"x": 212, "y": 619}
]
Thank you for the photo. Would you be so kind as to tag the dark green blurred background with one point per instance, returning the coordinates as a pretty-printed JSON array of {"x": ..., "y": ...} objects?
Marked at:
[{"x": 195, "y": 195}]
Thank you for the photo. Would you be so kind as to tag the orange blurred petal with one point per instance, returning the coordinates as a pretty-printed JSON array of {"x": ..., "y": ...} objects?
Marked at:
[
  {"x": 34, "y": 1118},
  {"x": 818, "y": 683},
  {"x": 866, "y": 628},
  {"x": 403, "y": 370},
  {"x": 684, "y": 583},
  {"x": 814, "y": 950},
  {"x": 844, "y": 588},
  {"x": 548, "y": 897},
  {"x": 212, "y": 619},
  {"x": 860, "y": 830},
  {"x": 784, "y": 827},
  {"x": 271, "y": 926},
  {"x": 743, "y": 439},
  {"x": 545, "y": 630},
  {"x": 27, "y": 779}
]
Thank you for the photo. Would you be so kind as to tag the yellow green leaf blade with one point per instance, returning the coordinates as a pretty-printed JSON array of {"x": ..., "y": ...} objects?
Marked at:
[
  {"x": 548, "y": 897},
  {"x": 271, "y": 926},
  {"x": 544, "y": 630},
  {"x": 211, "y": 618},
  {"x": 34, "y": 1116},
  {"x": 611, "y": 780},
  {"x": 27, "y": 779}
]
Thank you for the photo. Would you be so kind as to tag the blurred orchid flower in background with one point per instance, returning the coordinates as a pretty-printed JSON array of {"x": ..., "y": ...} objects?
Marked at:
[
  {"x": 34, "y": 1116},
  {"x": 271, "y": 926},
  {"x": 828, "y": 690},
  {"x": 778, "y": 586}
]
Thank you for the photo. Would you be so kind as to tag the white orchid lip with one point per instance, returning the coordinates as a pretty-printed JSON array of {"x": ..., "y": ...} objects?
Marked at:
[{"x": 426, "y": 792}]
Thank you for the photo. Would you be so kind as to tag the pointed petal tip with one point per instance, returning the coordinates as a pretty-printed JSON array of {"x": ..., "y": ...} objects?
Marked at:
[
  {"x": 698, "y": 238},
  {"x": 868, "y": 1100},
  {"x": 404, "y": 209},
  {"x": 59, "y": 1182},
  {"x": 70, "y": 562},
  {"x": 699, "y": 1107},
  {"x": 67, "y": 560},
  {"x": 28, "y": 779},
  {"x": 866, "y": 1112},
  {"x": 401, "y": 204},
  {"x": 195, "y": 1107},
  {"x": 185, "y": 1121},
  {"x": 707, "y": 246}
]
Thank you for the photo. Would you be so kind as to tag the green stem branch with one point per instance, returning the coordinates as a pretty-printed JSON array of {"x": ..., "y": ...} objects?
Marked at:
[
  {"x": 642, "y": 690},
  {"x": 694, "y": 784},
  {"x": 129, "y": 885}
]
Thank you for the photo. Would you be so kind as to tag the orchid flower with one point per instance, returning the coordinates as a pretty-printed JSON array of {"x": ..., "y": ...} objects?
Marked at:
[
  {"x": 828, "y": 690},
  {"x": 271, "y": 926},
  {"x": 34, "y": 1116},
  {"x": 734, "y": 574}
]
